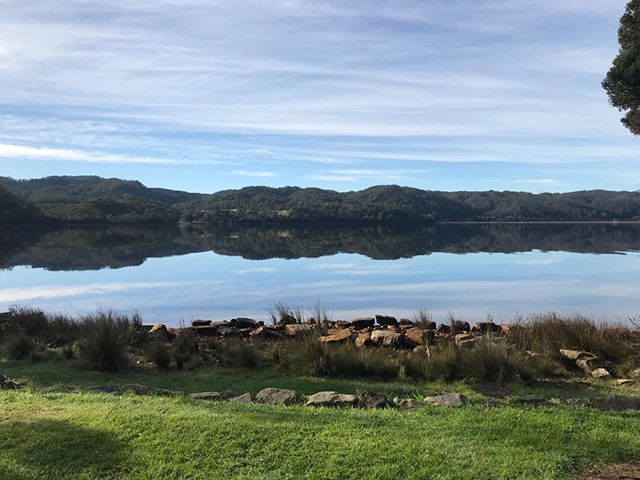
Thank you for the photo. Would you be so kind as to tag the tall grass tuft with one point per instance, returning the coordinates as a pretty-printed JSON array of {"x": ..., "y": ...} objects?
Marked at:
[
  {"x": 549, "y": 333},
  {"x": 105, "y": 339}
]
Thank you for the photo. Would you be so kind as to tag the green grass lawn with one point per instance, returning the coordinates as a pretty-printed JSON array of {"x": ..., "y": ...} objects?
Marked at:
[{"x": 53, "y": 430}]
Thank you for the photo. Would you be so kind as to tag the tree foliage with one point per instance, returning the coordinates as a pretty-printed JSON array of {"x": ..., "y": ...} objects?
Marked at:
[{"x": 622, "y": 83}]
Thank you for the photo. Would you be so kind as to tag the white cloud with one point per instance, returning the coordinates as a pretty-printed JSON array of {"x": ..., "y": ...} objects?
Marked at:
[{"x": 249, "y": 173}]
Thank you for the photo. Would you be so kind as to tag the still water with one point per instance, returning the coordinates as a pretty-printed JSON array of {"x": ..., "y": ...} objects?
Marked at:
[{"x": 472, "y": 271}]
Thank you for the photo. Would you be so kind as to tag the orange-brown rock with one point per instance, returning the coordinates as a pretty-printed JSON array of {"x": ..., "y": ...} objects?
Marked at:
[
  {"x": 337, "y": 336},
  {"x": 414, "y": 337}
]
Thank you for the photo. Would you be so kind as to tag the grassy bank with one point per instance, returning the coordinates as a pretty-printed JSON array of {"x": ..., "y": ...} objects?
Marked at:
[{"x": 52, "y": 429}]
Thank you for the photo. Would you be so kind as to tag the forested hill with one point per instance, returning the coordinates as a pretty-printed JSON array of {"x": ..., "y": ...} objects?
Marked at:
[
  {"x": 402, "y": 204},
  {"x": 14, "y": 210},
  {"x": 94, "y": 200}
]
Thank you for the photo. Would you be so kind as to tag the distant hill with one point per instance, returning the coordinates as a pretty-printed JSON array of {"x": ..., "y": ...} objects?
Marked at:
[
  {"x": 91, "y": 200},
  {"x": 95, "y": 200},
  {"x": 14, "y": 210},
  {"x": 388, "y": 204}
]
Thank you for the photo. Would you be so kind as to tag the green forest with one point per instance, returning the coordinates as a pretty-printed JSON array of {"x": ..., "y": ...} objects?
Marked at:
[{"x": 95, "y": 200}]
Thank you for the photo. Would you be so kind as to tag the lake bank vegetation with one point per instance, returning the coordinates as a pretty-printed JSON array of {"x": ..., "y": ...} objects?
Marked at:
[
  {"x": 95, "y": 200},
  {"x": 312, "y": 343}
]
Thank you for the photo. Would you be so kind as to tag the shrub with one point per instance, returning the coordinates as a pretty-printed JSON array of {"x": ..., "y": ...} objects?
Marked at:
[
  {"x": 158, "y": 353},
  {"x": 423, "y": 318},
  {"x": 281, "y": 310},
  {"x": 56, "y": 330},
  {"x": 348, "y": 361},
  {"x": 105, "y": 340},
  {"x": 185, "y": 348},
  {"x": 236, "y": 353},
  {"x": 549, "y": 333},
  {"x": 18, "y": 346}
]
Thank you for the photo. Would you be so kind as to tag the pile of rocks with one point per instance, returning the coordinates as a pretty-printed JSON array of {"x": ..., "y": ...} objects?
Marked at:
[
  {"x": 594, "y": 366},
  {"x": 381, "y": 330}
]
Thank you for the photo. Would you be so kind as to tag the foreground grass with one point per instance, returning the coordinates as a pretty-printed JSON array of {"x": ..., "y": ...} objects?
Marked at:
[{"x": 51, "y": 431}]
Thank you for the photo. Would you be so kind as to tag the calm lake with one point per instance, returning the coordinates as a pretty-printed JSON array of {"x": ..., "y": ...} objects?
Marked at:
[{"x": 173, "y": 275}]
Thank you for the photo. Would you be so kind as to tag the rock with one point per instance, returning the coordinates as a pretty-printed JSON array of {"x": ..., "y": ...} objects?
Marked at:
[
  {"x": 287, "y": 319},
  {"x": 299, "y": 329},
  {"x": 245, "y": 323},
  {"x": 443, "y": 329},
  {"x": 407, "y": 322},
  {"x": 363, "y": 340},
  {"x": 385, "y": 320},
  {"x": 624, "y": 382},
  {"x": 244, "y": 398},
  {"x": 213, "y": 396},
  {"x": 465, "y": 339},
  {"x": 414, "y": 337},
  {"x": 428, "y": 325},
  {"x": 506, "y": 328},
  {"x": 163, "y": 392},
  {"x": 485, "y": 328},
  {"x": 407, "y": 403},
  {"x": 160, "y": 331},
  {"x": 386, "y": 338},
  {"x": 338, "y": 337},
  {"x": 268, "y": 332},
  {"x": 331, "y": 399},
  {"x": 421, "y": 350},
  {"x": 615, "y": 403},
  {"x": 460, "y": 326},
  {"x": 601, "y": 374},
  {"x": 362, "y": 323},
  {"x": 368, "y": 399},
  {"x": 635, "y": 373},
  {"x": 206, "y": 331},
  {"x": 201, "y": 323},
  {"x": 227, "y": 331},
  {"x": 454, "y": 400},
  {"x": 574, "y": 355},
  {"x": 277, "y": 396},
  {"x": 7, "y": 384}
]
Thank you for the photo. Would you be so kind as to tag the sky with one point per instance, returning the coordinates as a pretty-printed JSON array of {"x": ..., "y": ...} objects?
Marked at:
[{"x": 204, "y": 95}]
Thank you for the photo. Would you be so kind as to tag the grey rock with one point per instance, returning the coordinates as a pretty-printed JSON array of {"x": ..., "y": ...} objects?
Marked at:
[
  {"x": 7, "y": 384},
  {"x": 454, "y": 400},
  {"x": 244, "y": 398},
  {"x": 331, "y": 399},
  {"x": 368, "y": 399},
  {"x": 386, "y": 338},
  {"x": 385, "y": 320},
  {"x": 601, "y": 374},
  {"x": 615, "y": 403},
  {"x": 277, "y": 396},
  {"x": 407, "y": 403},
  {"x": 213, "y": 396}
]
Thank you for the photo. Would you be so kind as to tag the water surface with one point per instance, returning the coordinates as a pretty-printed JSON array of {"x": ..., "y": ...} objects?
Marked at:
[{"x": 471, "y": 271}]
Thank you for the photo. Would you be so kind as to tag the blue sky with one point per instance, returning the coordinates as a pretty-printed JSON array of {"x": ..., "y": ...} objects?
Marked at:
[{"x": 204, "y": 95}]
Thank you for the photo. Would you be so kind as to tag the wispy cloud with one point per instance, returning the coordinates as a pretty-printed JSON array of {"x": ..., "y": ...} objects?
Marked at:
[{"x": 251, "y": 173}]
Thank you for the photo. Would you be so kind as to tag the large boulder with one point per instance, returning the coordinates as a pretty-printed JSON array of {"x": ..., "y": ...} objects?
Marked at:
[
  {"x": 459, "y": 326},
  {"x": 414, "y": 337},
  {"x": 443, "y": 330},
  {"x": 277, "y": 396},
  {"x": 485, "y": 328},
  {"x": 269, "y": 332},
  {"x": 601, "y": 374},
  {"x": 213, "y": 396},
  {"x": 465, "y": 339},
  {"x": 363, "y": 323},
  {"x": 331, "y": 399},
  {"x": 405, "y": 322},
  {"x": 453, "y": 400},
  {"x": 585, "y": 361},
  {"x": 245, "y": 323},
  {"x": 386, "y": 320},
  {"x": 363, "y": 340},
  {"x": 386, "y": 338},
  {"x": 201, "y": 323},
  {"x": 299, "y": 329},
  {"x": 337, "y": 336},
  {"x": 205, "y": 330},
  {"x": 368, "y": 399}
]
